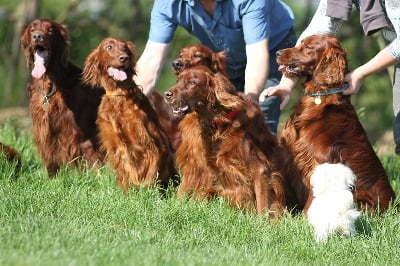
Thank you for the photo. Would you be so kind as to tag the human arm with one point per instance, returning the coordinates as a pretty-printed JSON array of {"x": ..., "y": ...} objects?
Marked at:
[
  {"x": 162, "y": 29},
  {"x": 379, "y": 62},
  {"x": 320, "y": 24},
  {"x": 388, "y": 56},
  {"x": 149, "y": 65},
  {"x": 257, "y": 68}
]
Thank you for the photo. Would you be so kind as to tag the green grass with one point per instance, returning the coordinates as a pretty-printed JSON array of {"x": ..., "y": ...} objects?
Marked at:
[{"x": 83, "y": 218}]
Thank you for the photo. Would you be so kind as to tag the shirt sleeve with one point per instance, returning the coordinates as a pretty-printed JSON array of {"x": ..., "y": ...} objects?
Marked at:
[
  {"x": 339, "y": 9},
  {"x": 321, "y": 23},
  {"x": 162, "y": 25},
  {"x": 393, "y": 12},
  {"x": 256, "y": 23}
]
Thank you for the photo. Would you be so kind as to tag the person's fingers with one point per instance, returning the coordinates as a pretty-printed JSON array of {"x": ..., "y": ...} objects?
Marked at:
[
  {"x": 272, "y": 91},
  {"x": 352, "y": 82},
  {"x": 275, "y": 91},
  {"x": 263, "y": 95},
  {"x": 348, "y": 91},
  {"x": 351, "y": 89}
]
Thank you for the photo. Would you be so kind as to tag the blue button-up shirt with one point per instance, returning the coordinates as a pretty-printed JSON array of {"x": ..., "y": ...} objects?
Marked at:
[{"x": 235, "y": 24}]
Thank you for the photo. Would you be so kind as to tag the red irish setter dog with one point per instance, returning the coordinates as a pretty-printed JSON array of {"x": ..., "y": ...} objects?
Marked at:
[
  {"x": 253, "y": 120},
  {"x": 130, "y": 133},
  {"x": 63, "y": 110},
  {"x": 198, "y": 54},
  {"x": 223, "y": 160},
  {"x": 189, "y": 56},
  {"x": 324, "y": 127}
]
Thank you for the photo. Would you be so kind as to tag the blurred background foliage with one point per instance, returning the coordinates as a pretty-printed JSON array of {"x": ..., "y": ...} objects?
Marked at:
[{"x": 89, "y": 21}]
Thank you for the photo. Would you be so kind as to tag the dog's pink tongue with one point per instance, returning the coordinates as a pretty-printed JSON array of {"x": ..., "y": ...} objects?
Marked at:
[
  {"x": 39, "y": 69},
  {"x": 117, "y": 74},
  {"x": 282, "y": 68}
]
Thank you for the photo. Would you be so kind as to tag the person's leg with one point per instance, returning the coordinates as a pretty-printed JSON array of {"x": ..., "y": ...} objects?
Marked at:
[
  {"x": 271, "y": 106},
  {"x": 396, "y": 108}
]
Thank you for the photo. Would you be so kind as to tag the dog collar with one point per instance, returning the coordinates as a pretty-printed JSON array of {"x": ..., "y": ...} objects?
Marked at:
[
  {"x": 318, "y": 94},
  {"x": 231, "y": 115},
  {"x": 47, "y": 97}
]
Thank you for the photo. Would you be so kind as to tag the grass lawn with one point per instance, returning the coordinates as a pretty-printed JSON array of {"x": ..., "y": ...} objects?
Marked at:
[{"x": 83, "y": 218}]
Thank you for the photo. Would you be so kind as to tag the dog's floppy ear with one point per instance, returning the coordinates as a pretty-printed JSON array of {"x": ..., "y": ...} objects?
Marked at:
[
  {"x": 132, "y": 55},
  {"x": 218, "y": 62},
  {"x": 91, "y": 71},
  {"x": 223, "y": 92},
  {"x": 25, "y": 40},
  {"x": 65, "y": 39},
  {"x": 211, "y": 95},
  {"x": 332, "y": 68}
]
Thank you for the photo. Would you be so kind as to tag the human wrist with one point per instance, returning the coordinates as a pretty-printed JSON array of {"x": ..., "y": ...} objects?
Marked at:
[
  {"x": 252, "y": 95},
  {"x": 288, "y": 82},
  {"x": 359, "y": 73}
]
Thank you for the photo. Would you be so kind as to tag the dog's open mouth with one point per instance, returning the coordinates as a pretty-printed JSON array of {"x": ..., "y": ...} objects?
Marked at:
[
  {"x": 41, "y": 51},
  {"x": 177, "y": 66},
  {"x": 39, "y": 48},
  {"x": 41, "y": 55},
  {"x": 180, "y": 110},
  {"x": 290, "y": 69},
  {"x": 118, "y": 74}
]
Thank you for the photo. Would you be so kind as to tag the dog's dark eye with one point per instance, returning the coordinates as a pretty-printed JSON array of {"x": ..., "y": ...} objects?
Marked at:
[
  {"x": 108, "y": 47},
  {"x": 197, "y": 55},
  {"x": 192, "y": 82}
]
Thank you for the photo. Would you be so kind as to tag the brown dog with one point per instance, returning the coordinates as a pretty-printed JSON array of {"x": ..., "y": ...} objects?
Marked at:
[
  {"x": 324, "y": 127},
  {"x": 63, "y": 110},
  {"x": 229, "y": 163},
  {"x": 189, "y": 56},
  {"x": 130, "y": 133}
]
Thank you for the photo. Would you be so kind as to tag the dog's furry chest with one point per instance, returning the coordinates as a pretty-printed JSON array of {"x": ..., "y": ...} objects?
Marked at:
[
  {"x": 121, "y": 109},
  {"x": 123, "y": 118},
  {"x": 49, "y": 110}
]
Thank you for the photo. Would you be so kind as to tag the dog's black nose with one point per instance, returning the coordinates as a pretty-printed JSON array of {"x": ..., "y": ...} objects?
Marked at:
[
  {"x": 123, "y": 58},
  {"x": 168, "y": 94},
  {"x": 177, "y": 64},
  {"x": 38, "y": 37},
  {"x": 279, "y": 53}
]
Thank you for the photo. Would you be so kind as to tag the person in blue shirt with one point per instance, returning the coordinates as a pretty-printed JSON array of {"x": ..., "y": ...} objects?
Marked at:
[{"x": 249, "y": 31}]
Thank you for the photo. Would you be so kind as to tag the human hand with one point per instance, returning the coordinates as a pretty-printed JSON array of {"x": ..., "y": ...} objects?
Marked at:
[
  {"x": 354, "y": 80},
  {"x": 278, "y": 90}
]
